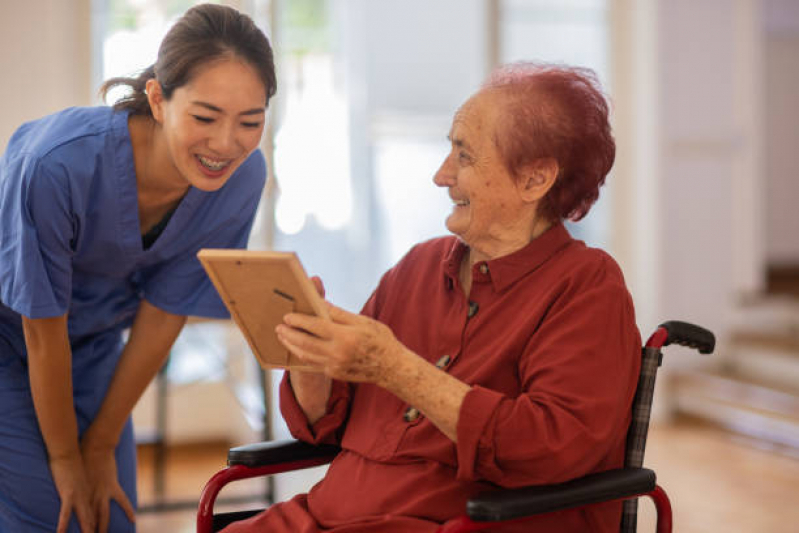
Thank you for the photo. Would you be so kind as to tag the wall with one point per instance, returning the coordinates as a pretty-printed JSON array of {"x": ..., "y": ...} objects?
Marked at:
[
  {"x": 782, "y": 129},
  {"x": 45, "y": 58},
  {"x": 710, "y": 191},
  {"x": 688, "y": 207}
]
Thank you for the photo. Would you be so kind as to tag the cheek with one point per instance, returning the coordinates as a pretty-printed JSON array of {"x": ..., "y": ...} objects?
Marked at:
[{"x": 252, "y": 140}]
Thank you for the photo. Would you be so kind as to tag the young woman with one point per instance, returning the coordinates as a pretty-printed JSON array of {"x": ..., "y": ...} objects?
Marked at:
[{"x": 102, "y": 211}]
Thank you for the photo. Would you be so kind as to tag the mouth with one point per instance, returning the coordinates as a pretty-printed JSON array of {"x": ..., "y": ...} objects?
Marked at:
[
  {"x": 461, "y": 203},
  {"x": 213, "y": 166}
]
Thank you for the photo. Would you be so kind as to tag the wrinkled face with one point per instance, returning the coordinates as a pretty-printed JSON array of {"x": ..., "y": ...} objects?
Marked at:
[
  {"x": 487, "y": 209},
  {"x": 214, "y": 122}
]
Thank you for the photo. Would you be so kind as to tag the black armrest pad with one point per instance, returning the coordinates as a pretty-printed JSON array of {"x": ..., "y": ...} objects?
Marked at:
[
  {"x": 276, "y": 452},
  {"x": 507, "y": 504}
]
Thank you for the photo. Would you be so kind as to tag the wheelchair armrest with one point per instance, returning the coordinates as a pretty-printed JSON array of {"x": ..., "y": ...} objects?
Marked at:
[
  {"x": 277, "y": 452},
  {"x": 508, "y": 504}
]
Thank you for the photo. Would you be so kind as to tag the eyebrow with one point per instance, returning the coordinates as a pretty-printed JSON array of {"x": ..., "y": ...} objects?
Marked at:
[
  {"x": 253, "y": 111},
  {"x": 460, "y": 143}
]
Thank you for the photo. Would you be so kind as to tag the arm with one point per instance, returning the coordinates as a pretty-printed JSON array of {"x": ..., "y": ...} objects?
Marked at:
[
  {"x": 151, "y": 337},
  {"x": 357, "y": 348},
  {"x": 578, "y": 374},
  {"x": 312, "y": 391},
  {"x": 50, "y": 370}
]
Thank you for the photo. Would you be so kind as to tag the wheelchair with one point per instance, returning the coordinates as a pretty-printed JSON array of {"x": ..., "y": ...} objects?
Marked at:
[{"x": 502, "y": 506}]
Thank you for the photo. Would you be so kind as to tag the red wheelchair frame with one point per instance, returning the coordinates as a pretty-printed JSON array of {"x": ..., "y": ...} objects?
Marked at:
[{"x": 503, "y": 506}]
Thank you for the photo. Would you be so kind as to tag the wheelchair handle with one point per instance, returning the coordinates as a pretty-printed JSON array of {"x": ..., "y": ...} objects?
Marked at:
[{"x": 684, "y": 334}]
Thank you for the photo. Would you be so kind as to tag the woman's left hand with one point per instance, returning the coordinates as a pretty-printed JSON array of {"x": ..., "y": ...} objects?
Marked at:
[
  {"x": 349, "y": 347},
  {"x": 101, "y": 472}
]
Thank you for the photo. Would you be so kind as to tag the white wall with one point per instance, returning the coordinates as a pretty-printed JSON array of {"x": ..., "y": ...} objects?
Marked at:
[
  {"x": 690, "y": 177},
  {"x": 782, "y": 149},
  {"x": 45, "y": 58}
]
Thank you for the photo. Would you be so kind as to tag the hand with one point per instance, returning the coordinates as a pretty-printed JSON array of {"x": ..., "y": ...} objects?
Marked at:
[
  {"x": 70, "y": 482},
  {"x": 350, "y": 347},
  {"x": 101, "y": 474}
]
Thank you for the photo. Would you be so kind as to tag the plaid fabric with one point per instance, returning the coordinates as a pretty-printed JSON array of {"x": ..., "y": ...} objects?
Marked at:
[{"x": 639, "y": 427}]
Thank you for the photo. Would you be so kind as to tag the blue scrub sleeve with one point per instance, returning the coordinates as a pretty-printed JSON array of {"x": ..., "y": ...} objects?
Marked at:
[{"x": 36, "y": 232}]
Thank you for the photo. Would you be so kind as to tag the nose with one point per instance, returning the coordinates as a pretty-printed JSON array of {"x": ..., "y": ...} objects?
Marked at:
[
  {"x": 223, "y": 140},
  {"x": 445, "y": 175}
]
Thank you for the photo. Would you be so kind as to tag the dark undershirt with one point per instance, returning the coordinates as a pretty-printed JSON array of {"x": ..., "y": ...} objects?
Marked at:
[{"x": 148, "y": 239}]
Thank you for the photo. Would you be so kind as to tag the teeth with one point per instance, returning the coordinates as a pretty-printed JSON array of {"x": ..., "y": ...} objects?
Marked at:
[
  {"x": 211, "y": 163},
  {"x": 461, "y": 202}
]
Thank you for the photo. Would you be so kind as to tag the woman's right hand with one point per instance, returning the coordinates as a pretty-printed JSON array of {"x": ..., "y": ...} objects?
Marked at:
[{"x": 70, "y": 481}]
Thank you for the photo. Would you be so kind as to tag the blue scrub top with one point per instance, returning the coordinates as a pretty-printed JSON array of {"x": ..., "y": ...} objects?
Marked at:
[{"x": 70, "y": 239}]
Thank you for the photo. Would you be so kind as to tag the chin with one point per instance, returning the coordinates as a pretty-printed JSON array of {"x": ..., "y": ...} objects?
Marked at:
[{"x": 207, "y": 185}]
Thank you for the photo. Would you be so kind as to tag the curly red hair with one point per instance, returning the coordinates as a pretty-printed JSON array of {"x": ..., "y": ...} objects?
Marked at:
[{"x": 559, "y": 112}]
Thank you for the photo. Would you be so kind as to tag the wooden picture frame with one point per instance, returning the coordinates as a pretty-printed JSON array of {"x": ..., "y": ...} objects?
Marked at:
[{"x": 259, "y": 288}]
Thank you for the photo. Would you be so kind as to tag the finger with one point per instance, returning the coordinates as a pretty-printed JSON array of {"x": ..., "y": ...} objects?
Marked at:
[
  {"x": 320, "y": 287},
  {"x": 340, "y": 316},
  {"x": 63, "y": 517},
  {"x": 102, "y": 516},
  {"x": 122, "y": 499},
  {"x": 311, "y": 324},
  {"x": 85, "y": 519},
  {"x": 299, "y": 342}
]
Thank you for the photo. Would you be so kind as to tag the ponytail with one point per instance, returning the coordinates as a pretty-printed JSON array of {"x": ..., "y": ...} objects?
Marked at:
[{"x": 136, "y": 101}]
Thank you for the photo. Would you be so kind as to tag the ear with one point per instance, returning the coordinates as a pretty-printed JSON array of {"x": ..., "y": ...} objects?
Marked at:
[
  {"x": 537, "y": 178},
  {"x": 155, "y": 97}
]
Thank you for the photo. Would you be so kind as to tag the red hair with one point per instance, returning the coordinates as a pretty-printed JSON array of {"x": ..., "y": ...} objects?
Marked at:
[{"x": 559, "y": 112}]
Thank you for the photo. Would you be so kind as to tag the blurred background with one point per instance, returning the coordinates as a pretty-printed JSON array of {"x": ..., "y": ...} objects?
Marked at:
[{"x": 699, "y": 210}]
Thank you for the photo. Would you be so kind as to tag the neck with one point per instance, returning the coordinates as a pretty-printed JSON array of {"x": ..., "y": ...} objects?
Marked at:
[
  {"x": 157, "y": 180},
  {"x": 496, "y": 249},
  {"x": 477, "y": 253}
]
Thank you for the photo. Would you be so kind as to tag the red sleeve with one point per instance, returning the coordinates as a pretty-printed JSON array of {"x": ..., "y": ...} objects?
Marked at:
[
  {"x": 578, "y": 372},
  {"x": 326, "y": 429}
]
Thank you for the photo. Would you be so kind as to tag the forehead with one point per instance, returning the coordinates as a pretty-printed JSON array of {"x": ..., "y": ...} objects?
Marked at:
[
  {"x": 230, "y": 79},
  {"x": 477, "y": 117}
]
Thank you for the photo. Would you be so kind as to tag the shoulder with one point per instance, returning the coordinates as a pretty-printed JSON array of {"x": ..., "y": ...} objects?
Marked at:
[
  {"x": 252, "y": 171},
  {"x": 62, "y": 143},
  {"x": 422, "y": 261},
  {"x": 430, "y": 253},
  {"x": 52, "y": 134},
  {"x": 580, "y": 268}
]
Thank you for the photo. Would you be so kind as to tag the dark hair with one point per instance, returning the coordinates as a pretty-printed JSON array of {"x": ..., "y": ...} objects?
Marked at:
[
  {"x": 205, "y": 33},
  {"x": 559, "y": 112}
]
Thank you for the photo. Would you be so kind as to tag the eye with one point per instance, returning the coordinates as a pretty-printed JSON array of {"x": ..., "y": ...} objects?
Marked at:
[
  {"x": 252, "y": 125},
  {"x": 204, "y": 120},
  {"x": 464, "y": 158}
]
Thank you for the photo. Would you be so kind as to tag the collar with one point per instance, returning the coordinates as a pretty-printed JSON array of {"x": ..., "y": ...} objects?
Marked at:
[{"x": 504, "y": 271}]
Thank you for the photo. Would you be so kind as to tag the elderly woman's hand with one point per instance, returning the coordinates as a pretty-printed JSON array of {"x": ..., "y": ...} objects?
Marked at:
[{"x": 350, "y": 347}]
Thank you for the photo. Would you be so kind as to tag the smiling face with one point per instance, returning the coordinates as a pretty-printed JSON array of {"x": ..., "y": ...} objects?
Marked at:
[
  {"x": 491, "y": 213},
  {"x": 211, "y": 124}
]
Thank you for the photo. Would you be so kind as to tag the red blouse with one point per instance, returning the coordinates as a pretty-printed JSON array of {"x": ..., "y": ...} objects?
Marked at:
[{"x": 547, "y": 340}]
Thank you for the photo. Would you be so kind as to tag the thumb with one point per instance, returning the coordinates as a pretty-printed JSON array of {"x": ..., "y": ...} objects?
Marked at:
[
  {"x": 123, "y": 501},
  {"x": 318, "y": 285}
]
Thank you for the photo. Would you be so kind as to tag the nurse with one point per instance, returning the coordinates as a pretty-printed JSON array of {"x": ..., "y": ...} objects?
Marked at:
[{"x": 102, "y": 211}]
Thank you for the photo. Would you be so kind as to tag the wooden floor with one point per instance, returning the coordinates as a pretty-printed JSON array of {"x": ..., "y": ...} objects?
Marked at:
[{"x": 716, "y": 483}]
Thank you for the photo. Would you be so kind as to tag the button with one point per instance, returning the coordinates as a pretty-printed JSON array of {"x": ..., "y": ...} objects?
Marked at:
[
  {"x": 443, "y": 361},
  {"x": 484, "y": 268},
  {"x": 473, "y": 308},
  {"x": 411, "y": 414}
]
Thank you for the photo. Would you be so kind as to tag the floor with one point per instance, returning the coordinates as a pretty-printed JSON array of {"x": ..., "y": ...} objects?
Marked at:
[{"x": 716, "y": 483}]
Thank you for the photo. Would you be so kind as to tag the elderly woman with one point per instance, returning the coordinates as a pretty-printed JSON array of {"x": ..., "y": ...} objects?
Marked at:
[{"x": 506, "y": 355}]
